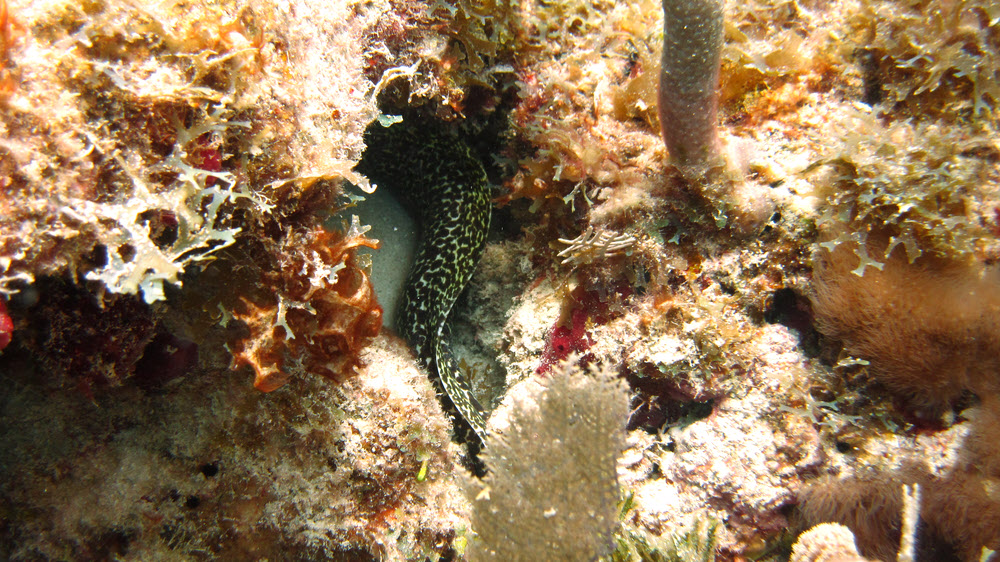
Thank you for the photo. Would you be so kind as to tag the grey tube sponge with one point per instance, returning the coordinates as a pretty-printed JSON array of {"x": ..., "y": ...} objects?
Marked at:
[{"x": 689, "y": 80}]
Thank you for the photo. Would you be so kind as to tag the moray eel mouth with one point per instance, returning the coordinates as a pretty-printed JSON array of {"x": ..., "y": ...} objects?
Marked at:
[{"x": 445, "y": 187}]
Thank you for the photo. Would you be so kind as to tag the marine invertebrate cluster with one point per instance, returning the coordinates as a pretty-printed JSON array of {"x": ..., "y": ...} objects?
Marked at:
[
  {"x": 111, "y": 110},
  {"x": 913, "y": 182},
  {"x": 933, "y": 57},
  {"x": 313, "y": 312},
  {"x": 592, "y": 246},
  {"x": 955, "y": 512},
  {"x": 574, "y": 102}
]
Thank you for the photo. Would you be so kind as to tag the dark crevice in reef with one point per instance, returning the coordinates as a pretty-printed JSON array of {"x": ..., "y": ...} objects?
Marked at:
[
  {"x": 657, "y": 404},
  {"x": 792, "y": 310},
  {"x": 870, "y": 63}
]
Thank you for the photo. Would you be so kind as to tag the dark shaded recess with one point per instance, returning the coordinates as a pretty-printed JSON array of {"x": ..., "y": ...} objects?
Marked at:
[
  {"x": 209, "y": 469},
  {"x": 163, "y": 226},
  {"x": 775, "y": 219},
  {"x": 165, "y": 358},
  {"x": 657, "y": 403},
  {"x": 927, "y": 420},
  {"x": 792, "y": 310},
  {"x": 934, "y": 548},
  {"x": 108, "y": 545},
  {"x": 493, "y": 138},
  {"x": 504, "y": 225},
  {"x": 484, "y": 131},
  {"x": 192, "y": 502},
  {"x": 870, "y": 63},
  {"x": 484, "y": 125},
  {"x": 85, "y": 342}
]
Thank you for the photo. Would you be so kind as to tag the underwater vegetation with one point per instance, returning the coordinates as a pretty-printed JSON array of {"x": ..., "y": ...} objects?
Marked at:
[{"x": 730, "y": 290}]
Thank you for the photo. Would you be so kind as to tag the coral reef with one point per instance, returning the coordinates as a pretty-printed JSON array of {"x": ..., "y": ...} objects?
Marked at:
[
  {"x": 932, "y": 57},
  {"x": 310, "y": 471},
  {"x": 133, "y": 136},
  {"x": 787, "y": 346}
]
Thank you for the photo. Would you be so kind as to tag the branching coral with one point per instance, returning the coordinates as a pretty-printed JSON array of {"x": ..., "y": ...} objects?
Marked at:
[
  {"x": 314, "y": 312},
  {"x": 190, "y": 205}
]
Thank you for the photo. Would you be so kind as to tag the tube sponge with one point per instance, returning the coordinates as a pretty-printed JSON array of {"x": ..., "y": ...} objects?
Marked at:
[{"x": 689, "y": 80}]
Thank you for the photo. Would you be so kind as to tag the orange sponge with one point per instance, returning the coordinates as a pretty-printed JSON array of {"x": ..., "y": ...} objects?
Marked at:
[{"x": 320, "y": 310}]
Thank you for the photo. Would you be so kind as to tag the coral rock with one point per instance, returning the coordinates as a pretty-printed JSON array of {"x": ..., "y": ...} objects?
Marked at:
[{"x": 828, "y": 542}]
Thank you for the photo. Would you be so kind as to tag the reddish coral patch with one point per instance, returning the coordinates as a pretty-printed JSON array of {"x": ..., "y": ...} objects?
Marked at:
[{"x": 6, "y": 326}]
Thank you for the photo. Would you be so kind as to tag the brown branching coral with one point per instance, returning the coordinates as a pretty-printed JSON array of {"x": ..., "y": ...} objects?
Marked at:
[{"x": 317, "y": 311}]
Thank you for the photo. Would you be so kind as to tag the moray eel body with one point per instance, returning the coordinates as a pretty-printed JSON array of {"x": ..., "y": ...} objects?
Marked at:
[{"x": 445, "y": 187}]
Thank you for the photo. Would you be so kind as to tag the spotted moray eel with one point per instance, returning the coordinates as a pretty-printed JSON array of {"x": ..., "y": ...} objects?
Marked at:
[{"x": 436, "y": 176}]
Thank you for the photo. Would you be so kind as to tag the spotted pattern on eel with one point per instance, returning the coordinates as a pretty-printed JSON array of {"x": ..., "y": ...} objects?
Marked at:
[{"x": 436, "y": 176}]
